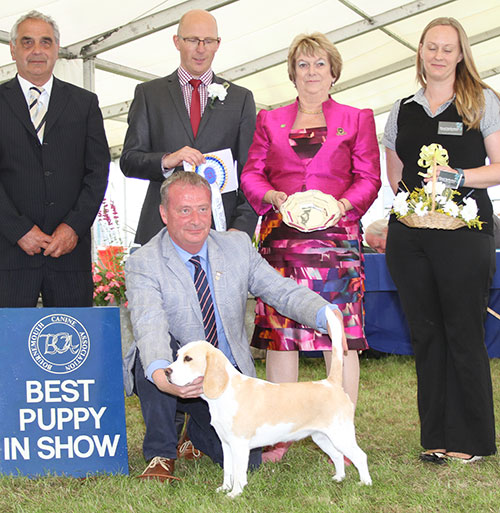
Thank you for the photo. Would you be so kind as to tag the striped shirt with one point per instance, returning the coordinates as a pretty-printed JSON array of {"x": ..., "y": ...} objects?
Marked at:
[
  {"x": 490, "y": 120},
  {"x": 187, "y": 88}
]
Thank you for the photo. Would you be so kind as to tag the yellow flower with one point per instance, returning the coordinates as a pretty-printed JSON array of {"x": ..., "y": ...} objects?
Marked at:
[{"x": 433, "y": 154}]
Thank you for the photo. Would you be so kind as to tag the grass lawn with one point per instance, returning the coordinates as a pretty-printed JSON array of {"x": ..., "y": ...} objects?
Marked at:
[{"x": 387, "y": 430}]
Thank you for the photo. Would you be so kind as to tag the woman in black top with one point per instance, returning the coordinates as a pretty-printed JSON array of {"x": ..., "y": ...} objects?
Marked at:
[{"x": 443, "y": 276}]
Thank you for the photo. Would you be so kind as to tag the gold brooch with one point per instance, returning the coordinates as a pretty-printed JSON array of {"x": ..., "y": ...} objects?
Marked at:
[{"x": 341, "y": 131}]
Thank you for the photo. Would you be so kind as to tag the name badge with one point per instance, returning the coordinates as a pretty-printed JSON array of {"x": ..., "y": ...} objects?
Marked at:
[{"x": 450, "y": 128}]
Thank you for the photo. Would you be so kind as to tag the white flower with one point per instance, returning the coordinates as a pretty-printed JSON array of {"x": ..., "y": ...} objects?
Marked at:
[
  {"x": 469, "y": 210},
  {"x": 218, "y": 91},
  {"x": 451, "y": 208},
  {"x": 400, "y": 206},
  {"x": 441, "y": 200},
  {"x": 420, "y": 209},
  {"x": 440, "y": 187}
]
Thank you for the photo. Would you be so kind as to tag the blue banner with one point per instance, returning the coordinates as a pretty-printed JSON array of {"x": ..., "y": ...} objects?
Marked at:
[{"x": 61, "y": 392}]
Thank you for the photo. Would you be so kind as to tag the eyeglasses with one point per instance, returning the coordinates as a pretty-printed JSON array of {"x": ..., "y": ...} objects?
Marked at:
[{"x": 195, "y": 41}]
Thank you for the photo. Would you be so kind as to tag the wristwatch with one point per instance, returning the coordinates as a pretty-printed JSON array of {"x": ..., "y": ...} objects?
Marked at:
[{"x": 461, "y": 180}]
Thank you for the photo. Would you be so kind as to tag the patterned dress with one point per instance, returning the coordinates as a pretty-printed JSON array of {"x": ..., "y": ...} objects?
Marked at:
[{"x": 327, "y": 261}]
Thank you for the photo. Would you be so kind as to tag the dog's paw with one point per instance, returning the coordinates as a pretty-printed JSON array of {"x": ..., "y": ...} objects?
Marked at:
[
  {"x": 234, "y": 493},
  {"x": 367, "y": 482},
  {"x": 338, "y": 477},
  {"x": 223, "y": 488}
]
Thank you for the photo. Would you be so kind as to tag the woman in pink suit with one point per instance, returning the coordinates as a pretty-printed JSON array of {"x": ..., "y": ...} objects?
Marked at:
[{"x": 314, "y": 143}]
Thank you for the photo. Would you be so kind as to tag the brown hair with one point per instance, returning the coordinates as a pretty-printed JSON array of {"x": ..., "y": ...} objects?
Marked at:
[
  {"x": 185, "y": 178},
  {"x": 309, "y": 44},
  {"x": 469, "y": 88}
]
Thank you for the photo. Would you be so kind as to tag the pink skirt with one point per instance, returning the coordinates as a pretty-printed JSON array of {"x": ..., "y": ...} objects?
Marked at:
[{"x": 328, "y": 262}]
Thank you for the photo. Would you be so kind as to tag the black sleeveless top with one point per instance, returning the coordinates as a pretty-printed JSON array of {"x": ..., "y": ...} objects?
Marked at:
[{"x": 416, "y": 128}]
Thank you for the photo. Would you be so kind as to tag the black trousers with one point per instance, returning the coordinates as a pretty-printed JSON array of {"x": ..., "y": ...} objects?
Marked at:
[
  {"x": 20, "y": 288},
  {"x": 159, "y": 412},
  {"x": 443, "y": 279}
]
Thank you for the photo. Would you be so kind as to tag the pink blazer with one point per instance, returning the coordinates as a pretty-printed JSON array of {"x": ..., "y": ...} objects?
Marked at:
[{"x": 346, "y": 166}]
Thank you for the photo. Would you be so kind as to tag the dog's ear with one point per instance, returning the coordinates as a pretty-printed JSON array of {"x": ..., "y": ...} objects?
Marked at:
[{"x": 216, "y": 376}]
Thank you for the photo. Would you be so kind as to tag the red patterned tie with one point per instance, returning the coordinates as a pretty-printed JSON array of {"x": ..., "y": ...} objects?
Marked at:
[
  {"x": 206, "y": 303},
  {"x": 195, "y": 113}
]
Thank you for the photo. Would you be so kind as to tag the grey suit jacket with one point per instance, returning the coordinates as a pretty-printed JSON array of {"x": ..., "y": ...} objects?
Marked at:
[
  {"x": 159, "y": 124},
  {"x": 163, "y": 300}
]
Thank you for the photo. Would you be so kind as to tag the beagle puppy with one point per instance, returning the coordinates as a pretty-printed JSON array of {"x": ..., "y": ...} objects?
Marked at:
[{"x": 248, "y": 412}]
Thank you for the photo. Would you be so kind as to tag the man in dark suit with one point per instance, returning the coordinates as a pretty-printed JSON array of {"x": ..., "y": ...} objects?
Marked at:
[
  {"x": 52, "y": 176},
  {"x": 161, "y": 136}
]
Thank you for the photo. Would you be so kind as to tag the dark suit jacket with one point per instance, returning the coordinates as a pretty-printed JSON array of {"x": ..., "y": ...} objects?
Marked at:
[
  {"x": 159, "y": 123},
  {"x": 62, "y": 180}
]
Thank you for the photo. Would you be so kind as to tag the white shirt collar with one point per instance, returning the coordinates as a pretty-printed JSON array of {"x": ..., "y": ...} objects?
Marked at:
[{"x": 26, "y": 85}]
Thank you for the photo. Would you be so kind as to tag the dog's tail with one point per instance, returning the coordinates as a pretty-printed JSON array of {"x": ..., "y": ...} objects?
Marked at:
[{"x": 335, "y": 331}]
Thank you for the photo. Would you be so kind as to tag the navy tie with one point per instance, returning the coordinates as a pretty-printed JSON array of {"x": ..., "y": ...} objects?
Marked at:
[{"x": 206, "y": 304}]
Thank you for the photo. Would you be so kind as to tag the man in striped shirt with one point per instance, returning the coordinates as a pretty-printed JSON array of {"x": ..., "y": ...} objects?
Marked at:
[{"x": 162, "y": 132}]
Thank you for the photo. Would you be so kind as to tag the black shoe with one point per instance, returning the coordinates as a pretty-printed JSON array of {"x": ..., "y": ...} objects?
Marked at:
[{"x": 439, "y": 458}]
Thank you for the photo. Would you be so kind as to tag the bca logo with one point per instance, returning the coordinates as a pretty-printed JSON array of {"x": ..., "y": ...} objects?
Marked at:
[{"x": 59, "y": 343}]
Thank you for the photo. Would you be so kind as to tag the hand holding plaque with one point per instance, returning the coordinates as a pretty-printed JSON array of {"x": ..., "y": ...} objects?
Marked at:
[{"x": 309, "y": 211}]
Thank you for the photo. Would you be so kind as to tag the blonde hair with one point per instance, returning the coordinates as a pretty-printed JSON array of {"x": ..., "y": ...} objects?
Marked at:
[
  {"x": 309, "y": 44},
  {"x": 469, "y": 88}
]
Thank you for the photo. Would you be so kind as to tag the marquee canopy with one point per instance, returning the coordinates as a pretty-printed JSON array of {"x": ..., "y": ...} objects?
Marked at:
[{"x": 123, "y": 43}]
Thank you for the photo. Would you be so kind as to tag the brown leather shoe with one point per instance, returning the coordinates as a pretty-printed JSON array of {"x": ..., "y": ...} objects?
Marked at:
[
  {"x": 161, "y": 469},
  {"x": 186, "y": 450}
]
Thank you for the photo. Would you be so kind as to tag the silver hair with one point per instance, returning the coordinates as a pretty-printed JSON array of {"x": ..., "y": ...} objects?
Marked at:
[
  {"x": 34, "y": 15},
  {"x": 377, "y": 228}
]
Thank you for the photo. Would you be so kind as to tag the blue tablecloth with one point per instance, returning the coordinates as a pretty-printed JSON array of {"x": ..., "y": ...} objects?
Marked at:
[{"x": 385, "y": 324}]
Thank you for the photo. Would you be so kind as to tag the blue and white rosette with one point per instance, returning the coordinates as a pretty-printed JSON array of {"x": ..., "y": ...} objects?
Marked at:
[{"x": 215, "y": 172}]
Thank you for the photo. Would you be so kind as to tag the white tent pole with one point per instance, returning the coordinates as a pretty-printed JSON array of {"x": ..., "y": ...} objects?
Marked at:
[{"x": 89, "y": 74}]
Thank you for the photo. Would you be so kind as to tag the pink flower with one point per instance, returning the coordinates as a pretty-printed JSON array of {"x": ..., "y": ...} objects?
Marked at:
[
  {"x": 97, "y": 278},
  {"x": 110, "y": 275}
]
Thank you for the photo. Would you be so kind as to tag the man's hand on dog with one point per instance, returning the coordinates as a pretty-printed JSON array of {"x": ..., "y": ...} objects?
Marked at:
[{"x": 189, "y": 391}]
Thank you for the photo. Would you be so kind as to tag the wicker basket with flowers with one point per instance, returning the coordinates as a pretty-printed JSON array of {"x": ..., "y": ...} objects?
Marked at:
[{"x": 432, "y": 206}]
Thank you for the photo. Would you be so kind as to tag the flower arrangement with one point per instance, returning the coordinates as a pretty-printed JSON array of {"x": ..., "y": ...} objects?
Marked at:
[
  {"x": 109, "y": 279},
  {"x": 217, "y": 91},
  {"x": 108, "y": 273},
  {"x": 432, "y": 206}
]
